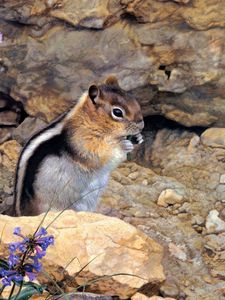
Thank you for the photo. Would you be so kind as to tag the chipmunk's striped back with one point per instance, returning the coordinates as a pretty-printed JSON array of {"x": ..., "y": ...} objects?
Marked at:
[{"x": 30, "y": 159}]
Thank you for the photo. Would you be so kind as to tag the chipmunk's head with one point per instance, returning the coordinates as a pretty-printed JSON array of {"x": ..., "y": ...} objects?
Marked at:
[{"x": 116, "y": 108}]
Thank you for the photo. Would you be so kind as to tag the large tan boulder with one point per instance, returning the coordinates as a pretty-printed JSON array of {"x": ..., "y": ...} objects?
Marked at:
[{"x": 108, "y": 245}]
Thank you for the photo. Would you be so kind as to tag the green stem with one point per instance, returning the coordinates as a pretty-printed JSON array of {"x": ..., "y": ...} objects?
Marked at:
[
  {"x": 55, "y": 284},
  {"x": 12, "y": 290},
  {"x": 104, "y": 277},
  {"x": 21, "y": 285},
  {"x": 2, "y": 289}
]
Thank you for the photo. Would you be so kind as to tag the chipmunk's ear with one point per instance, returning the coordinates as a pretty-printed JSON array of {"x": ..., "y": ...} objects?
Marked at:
[
  {"x": 93, "y": 93},
  {"x": 112, "y": 80}
]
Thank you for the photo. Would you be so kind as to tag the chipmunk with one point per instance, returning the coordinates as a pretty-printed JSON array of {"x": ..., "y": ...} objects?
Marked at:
[{"x": 68, "y": 163}]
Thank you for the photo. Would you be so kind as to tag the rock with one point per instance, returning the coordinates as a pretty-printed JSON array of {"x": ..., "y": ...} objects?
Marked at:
[
  {"x": 168, "y": 197},
  {"x": 169, "y": 289},
  {"x": 213, "y": 223},
  {"x": 194, "y": 142},
  {"x": 220, "y": 191},
  {"x": 9, "y": 153},
  {"x": 27, "y": 128},
  {"x": 214, "y": 137},
  {"x": 79, "y": 14},
  {"x": 197, "y": 173},
  {"x": 223, "y": 214},
  {"x": 215, "y": 242},
  {"x": 107, "y": 245},
  {"x": 167, "y": 70},
  {"x": 5, "y": 134},
  {"x": 178, "y": 251},
  {"x": 139, "y": 296},
  {"x": 198, "y": 220},
  {"x": 133, "y": 175},
  {"x": 85, "y": 296},
  {"x": 222, "y": 179},
  {"x": 160, "y": 298},
  {"x": 8, "y": 118},
  {"x": 145, "y": 182},
  {"x": 3, "y": 103}
]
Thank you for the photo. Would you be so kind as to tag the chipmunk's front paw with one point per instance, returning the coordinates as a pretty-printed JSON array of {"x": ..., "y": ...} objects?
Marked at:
[
  {"x": 126, "y": 145},
  {"x": 139, "y": 138}
]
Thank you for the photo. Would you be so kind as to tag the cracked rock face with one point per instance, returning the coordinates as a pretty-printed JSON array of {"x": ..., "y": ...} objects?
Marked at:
[
  {"x": 108, "y": 245},
  {"x": 168, "y": 53}
]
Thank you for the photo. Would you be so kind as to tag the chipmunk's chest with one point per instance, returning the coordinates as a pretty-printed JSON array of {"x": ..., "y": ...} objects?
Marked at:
[{"x": 62, "y": 181}]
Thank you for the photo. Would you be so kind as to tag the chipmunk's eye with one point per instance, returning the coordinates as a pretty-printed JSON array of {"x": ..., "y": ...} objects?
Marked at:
[{"x": 117, "y": 113}]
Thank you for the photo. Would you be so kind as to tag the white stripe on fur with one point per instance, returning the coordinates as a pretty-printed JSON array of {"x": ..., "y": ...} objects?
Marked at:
[{"x": 28, "y": 152}]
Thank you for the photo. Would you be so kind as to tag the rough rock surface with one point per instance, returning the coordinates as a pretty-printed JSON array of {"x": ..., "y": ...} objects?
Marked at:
[
  {"x": 192, "y": 236},
  {"x": 139, "y": 296},
  {"x": 168, "y": 53},
  {"x": 108, "y": 245},
  {"x": 180, "y": 162},
  {"x": 214, "y": 137}
]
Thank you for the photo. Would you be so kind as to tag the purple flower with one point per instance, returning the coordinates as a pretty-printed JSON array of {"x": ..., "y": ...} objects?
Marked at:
[
  {"x": 1, "y": 37},
  {"x": 9, "y": 276},
  {"x": 31, "y": 276},
  {"x": 17, "y": 246},
  {"x": 32, "y": 269},
  {"x": 7, "y": 272},
  {"x": 17, "y": 230},
  {"x": 2, "y": 272},
  {"x": 24, "y": 257},
  {"x": 6, "y": 281},
  {"x": 17, "y": 277},
  {"x": 50, "y": 240},
  {"x": 13, "y": 247},
  {"x": 39, "y": 252},
  {"x": 38, "y": 266},
  {"x": 22, "y": 247},
  {"x": 13, "y": 260},
  {"x": 41, "y": 231},
  {"x": 44, "y": 242}
]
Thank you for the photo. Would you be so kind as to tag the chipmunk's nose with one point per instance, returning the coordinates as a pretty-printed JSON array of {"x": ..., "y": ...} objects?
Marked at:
[{"x": 141, "y": 124}]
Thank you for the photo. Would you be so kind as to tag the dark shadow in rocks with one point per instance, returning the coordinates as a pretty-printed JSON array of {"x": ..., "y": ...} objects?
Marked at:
[
  {"x": 153, "y": 124},
  {"x": 157, "y": 122},
  {"x": 166, "y": 70},
  {"x": 129, "y": 17},
  {"x": 13, "y": 105}
]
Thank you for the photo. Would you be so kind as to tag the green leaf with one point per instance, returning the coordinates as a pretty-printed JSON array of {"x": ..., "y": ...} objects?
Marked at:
[
  {"x": 4, "y": 264},
  {"x": 40, "y": 288},
  {"x": 29, "y": 290}
]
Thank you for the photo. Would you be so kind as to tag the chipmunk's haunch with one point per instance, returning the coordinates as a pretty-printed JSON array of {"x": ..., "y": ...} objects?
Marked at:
[{"x": 67, "y": 164}]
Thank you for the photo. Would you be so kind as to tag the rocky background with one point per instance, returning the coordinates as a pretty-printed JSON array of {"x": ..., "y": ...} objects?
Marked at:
[{"x": 171, "y": 56}]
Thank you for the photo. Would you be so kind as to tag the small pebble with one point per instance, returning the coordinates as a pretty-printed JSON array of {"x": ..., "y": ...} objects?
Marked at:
[
  {"x": 213, "y": 223},
  {"x": 222, "y": 179},
  {"x": 169, "y": 290},
  {"x": 145, "y": 182},
  {"x": 197, "y": 219},
  {"x": 134, "y": 175}
]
